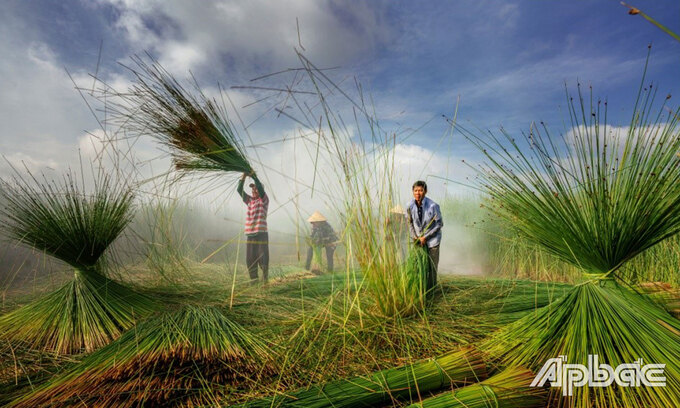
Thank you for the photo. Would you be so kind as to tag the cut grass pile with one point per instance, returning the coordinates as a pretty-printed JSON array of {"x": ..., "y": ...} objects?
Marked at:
[
  {"x": 76, "y": 228},
  {"x": 88, "y": 312},
  {"x": 187, "y": 357},
  {"x": 595, "y": 199},
  {"x": 608, "y": 320},
  {"x": 508, "y": 389},
  {"x": 403, "y": 383}
]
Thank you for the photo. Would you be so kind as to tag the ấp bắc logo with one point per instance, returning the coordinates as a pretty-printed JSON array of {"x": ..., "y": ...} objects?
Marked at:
[{"x": 570, "y": 376}]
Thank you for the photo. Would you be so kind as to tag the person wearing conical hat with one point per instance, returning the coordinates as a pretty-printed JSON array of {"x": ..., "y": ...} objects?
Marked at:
[
  {"x": 322, "y": 236},
  {"x": 398, "y": 210}
]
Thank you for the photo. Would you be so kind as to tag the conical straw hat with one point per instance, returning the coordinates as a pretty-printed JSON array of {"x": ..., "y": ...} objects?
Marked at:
[
  {"x": 316, "y": 217},
  {"x": 397, "y": 209}
]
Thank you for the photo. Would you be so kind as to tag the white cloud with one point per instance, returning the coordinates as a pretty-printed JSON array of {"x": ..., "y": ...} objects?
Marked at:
[
  {"x": 254, "y": 33},
  {"x": 41, "y": 54},
  {"x": 91, "y": 144},
  {"x": 41, "y": 114},
  {"x": 181, "y": 56},
  {"x": 21, "y": 162}
]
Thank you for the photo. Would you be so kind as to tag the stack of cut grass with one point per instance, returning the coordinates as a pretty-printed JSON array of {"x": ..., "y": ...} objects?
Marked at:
[
  {"x": 595, "y": 200},
  {"x": 196, "y": 129},
  {"x": 416, "y": 271},
  {"x": 316, "y": 265},
  {"x": 187, "y": 357},
  {"x": 366, "y": 172},
  {"x": 91, "y": 310},
  {"x": 406, "y": 383},
  {"x": 607, "y": 320},
  {"x": 508, "y": 389}
]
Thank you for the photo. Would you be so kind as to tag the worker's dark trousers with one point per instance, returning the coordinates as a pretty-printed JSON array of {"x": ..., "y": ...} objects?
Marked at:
[
  {"x": 257, "y": 254},
  {"x": 329, "y": 257},
  {"x": 431, "y": 279}
]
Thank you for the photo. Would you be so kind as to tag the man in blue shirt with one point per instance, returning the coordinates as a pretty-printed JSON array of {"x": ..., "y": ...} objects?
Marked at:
[{"x": 425, "y": 226}]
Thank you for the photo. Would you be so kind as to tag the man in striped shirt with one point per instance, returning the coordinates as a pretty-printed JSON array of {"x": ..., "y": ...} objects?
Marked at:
[{"x": 257, "y": 238}]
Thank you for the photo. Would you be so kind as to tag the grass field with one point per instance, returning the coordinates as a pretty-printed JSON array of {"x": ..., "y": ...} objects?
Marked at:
[
  {"x": 318, "y": 335},
  {"x": 571, "y": 249}
]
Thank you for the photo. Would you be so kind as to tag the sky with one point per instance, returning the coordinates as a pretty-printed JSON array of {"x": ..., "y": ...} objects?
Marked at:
[{"x": 499, "y": 63}]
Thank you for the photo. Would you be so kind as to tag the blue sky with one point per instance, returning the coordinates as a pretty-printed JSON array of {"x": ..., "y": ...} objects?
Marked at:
[{"x": 507, "y": 61}]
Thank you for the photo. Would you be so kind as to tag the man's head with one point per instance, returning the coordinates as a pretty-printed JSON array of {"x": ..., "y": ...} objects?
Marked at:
[
  {"x": 419, "y": 190},
  {"x": 253, "y": 190}
]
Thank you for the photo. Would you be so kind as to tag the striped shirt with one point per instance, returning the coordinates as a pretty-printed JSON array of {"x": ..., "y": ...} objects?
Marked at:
[{"x": 256, "y": 214}]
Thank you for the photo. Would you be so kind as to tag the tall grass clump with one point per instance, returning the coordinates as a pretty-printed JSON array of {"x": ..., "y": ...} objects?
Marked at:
[
  {"x": 595, "y": 197},
  {"x": 359, "y": 161},
  {"x": 397, "y": 285},
  {"x": 186, "y": 357},
  {"x": 195, "y": 128},
  {"x": 60, "y": 219}
]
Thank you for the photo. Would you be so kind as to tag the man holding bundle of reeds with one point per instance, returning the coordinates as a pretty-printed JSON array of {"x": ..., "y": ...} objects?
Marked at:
[
  {"x": 425, "y": 226},
  {"x": 322, "y": 236},
  {"x": 257, "y": 238}
]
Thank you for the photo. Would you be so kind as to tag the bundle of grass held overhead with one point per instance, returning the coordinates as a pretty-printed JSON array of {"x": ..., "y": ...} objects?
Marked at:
[
  {"x": 595, "y": 199},
  {"x": 408, "y": 383},
  {"x": 196, "y": 129},
  {"x": 59, "y": 219},
  {"x": 508, "y": 389},
  {"x": 183, "y": 358}
]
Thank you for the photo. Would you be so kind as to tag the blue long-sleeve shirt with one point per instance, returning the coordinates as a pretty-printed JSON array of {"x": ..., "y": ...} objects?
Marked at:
[{"x": 429, "y": 226}]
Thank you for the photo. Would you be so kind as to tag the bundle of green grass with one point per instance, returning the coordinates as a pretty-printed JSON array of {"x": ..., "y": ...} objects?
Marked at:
[
  {"x": 408, "y": 383},
  {"x": 510, "y": 388},
  {"x": 195, "y": 129},
  {"x": 76, "y": 228},
  {"x": 188, "y": 357},
  {"x": 594, "y": 199}
]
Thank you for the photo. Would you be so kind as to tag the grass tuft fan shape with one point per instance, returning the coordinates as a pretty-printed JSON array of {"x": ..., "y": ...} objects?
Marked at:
[
  {"x": 76, "y": 228},
  {"x": 196, "y": 129},
  {"x": 183, "y": 357},
  {"x": 595, "y": 198}
]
